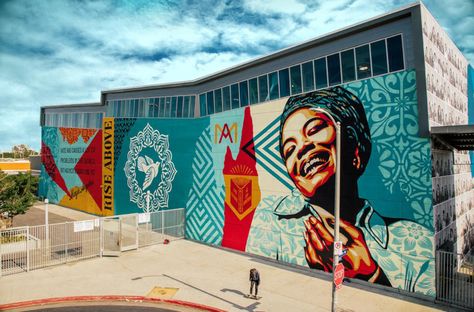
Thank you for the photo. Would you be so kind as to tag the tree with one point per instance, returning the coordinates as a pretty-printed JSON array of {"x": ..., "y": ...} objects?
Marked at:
[
  {"x": 22, "y": 151},
  {"x": 17, "y": 194}
]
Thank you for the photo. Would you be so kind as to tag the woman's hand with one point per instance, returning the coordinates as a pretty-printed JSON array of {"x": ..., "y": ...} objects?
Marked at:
[{"x": 319, "y": 249}]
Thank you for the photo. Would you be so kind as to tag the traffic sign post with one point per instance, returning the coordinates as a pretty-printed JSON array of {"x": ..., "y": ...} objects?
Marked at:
[
  {"x": 339, "y": 275},
  {"x": 338, "y": 248}
]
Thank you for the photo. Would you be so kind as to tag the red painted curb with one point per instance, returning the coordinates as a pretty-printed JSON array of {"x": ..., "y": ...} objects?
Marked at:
[{"x": 40, "y": 302}]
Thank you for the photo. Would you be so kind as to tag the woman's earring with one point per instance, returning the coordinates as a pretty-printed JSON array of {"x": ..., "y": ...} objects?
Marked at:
[{"x": 355, "y": 162}]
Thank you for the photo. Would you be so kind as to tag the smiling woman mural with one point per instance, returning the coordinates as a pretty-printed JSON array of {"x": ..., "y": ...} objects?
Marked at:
[{"x": 299, "y": 227}]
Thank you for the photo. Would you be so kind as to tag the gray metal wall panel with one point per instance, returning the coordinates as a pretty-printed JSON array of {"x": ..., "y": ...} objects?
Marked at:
[
  {"x": 75, "y": 109},
  {"x": 192, "y": 90},
  {"x": 419, "y": 56}
]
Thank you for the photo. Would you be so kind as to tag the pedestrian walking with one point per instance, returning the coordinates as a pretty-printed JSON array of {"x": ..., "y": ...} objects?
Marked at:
[{"x": 254, "y": 282}]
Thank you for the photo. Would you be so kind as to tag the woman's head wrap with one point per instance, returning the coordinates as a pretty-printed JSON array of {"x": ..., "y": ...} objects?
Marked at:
[{"x": 345, "y": 108}]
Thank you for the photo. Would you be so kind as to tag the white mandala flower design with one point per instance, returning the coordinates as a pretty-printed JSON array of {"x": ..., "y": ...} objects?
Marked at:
[{"x": 143, "y": 193}]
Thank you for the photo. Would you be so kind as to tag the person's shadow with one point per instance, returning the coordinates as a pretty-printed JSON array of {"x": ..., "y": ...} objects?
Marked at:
[{"x": 251, "y": 307}]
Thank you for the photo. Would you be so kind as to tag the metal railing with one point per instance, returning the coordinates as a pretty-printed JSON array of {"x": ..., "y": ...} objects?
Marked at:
[
  {"x": 33, "y": 247},
  {"x": 159, "y": 226},
  {"x": 455, "y": 278}
]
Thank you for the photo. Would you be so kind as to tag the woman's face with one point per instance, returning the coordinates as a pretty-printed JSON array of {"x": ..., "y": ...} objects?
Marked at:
[{"x": 309, "y": 151}]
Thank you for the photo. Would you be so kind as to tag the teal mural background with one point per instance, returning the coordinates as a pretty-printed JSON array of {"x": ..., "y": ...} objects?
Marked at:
[
  {"x": 47, "y": 187},
  {"x": 398, "y": 176},
  {"x": 181, "y": 137}
]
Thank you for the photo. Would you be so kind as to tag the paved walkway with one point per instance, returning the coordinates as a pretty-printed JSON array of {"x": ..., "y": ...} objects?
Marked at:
[{"x": 203, "y": 275}]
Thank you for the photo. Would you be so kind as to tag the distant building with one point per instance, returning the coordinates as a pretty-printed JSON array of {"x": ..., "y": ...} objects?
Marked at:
[
  {"x": 249, "y": 151},
  {"x": 14, "y": 166}
]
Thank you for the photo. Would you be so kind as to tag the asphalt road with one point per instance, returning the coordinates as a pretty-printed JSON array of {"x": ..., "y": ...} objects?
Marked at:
[{"x": 112, "y": 306}]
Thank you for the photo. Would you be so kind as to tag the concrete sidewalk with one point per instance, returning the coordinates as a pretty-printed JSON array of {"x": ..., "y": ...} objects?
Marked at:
[{"x": 203, "y": 275}]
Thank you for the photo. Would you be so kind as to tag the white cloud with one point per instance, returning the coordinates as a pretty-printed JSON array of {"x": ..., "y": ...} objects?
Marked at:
[
  {"x": 56, "y": 52},
  {"x": 275, "y": 6}
]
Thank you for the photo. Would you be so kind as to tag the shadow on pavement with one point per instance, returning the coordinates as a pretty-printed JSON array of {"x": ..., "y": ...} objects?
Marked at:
[{"x": 251, "y": 307}]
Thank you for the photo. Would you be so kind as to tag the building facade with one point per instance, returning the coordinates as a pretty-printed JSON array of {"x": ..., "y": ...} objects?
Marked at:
[{"x": 249, "y": 152}]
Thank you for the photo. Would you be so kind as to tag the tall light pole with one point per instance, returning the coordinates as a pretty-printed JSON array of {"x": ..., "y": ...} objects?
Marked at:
[
  {"x": 46, "y": 221},
  {"x": 337, "y": 198}
]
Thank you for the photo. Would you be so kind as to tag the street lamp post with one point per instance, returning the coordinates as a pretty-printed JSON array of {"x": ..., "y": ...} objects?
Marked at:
[
  {"x": 337, "y": 203},
  {"x": 46, "y": 221}
]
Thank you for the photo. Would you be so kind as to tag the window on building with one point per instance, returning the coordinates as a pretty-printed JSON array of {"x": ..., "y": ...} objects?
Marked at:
[
  {"x": 174, "y": 105},
  {"x": 87, "y": 119},
  {"x": 126, "y": 108},
  {"x": 295, "y": 78},
  {"x": 210, "y": 103},
  {"x": 334, "y": 69},
  {"x": 162, "y": 107},
  {"x": 308, "y": 76},
  {"x": 234, "y": 94},
  {"x": 149, "y": 107},
  {"x": 191, "y": 106},
  {"x": 112, "y": 108},
  {"x": 66, "y": 120},
  {"x": 134, "y": 108},
  {"x": 98, "y": 120},
  {"x": 156, "y": 107},
  {"x": 348, "y": 65},
  {"x": 253, "y": 91},
  {"x": 159, "y": 107},
  {"x": 218, "y": 100},
  {"x": 321, "y": 73},
  {"x": 379, "y": 57},
  {"x": 129, "y": 108},
  {"x": 75, "y": 120},
  {"x": 244, "y": 93},
  {"x": 141, "y": 108},
  {"x": 273, "y": 85},
  {"x": 226, "y": 98},
  {"x": 186, "y": 106},
  {"x": 120, "y": 108},
  {"x": 395, "y": 53},
  {"x": 167, "y": 107},
  {"x": 284, "y": 76},
  {"x": 202, "y": 104},
  {"x": 263, "y": 88},
  {"x": 179, "y": 110},
  {"x": 363, "y": 62}
]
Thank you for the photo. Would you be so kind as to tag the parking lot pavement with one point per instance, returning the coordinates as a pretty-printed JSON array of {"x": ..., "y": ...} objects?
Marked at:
[
  {"x": 203, "y": 275},
  {"x": 56, "y": 214}
]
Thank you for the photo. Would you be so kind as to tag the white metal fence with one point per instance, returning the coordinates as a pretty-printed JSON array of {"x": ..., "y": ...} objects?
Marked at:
[
  {"x": 33, "y": 247},
  {"x": 455, "y": 278}
]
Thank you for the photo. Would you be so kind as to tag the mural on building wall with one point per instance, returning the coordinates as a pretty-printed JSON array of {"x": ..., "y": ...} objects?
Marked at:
[
  {"x": 149, "y": 154},
  {"x": 242, "y": 191},
  {"x": 152, "y": 162},
  {"x": 72, "y": 168},
  {"x": 260, "y": 179},
  {"x": 269, "y": 189}
]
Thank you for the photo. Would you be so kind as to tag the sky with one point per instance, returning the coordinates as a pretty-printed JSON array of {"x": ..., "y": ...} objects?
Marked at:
[{"x": 63, "y": 52}]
